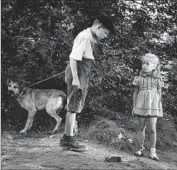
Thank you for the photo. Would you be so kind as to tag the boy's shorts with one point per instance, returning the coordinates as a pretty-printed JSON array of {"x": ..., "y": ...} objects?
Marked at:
[{"x": 75, "y": 98}]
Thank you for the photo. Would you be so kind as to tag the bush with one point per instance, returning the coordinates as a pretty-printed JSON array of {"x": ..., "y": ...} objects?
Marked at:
[{"x": 37, "y": 39}]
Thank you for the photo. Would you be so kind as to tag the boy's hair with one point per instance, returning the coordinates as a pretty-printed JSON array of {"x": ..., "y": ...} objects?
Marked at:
[{"x": 106, "y": 22}]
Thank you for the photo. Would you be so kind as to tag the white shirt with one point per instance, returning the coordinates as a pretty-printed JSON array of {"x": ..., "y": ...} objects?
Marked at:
[{"x": 82, "y": 47}]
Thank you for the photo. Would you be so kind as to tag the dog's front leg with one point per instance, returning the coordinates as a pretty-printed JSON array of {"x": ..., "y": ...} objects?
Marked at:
[{"x": 29, "y": 122}]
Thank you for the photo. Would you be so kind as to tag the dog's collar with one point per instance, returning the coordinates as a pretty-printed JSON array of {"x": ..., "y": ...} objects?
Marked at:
[{"x": 22, "y": 92}]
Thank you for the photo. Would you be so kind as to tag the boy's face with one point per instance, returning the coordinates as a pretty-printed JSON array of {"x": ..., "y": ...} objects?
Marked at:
[
  {"x": 102, "y": 32},
  {"x": 148, "y": 66}
]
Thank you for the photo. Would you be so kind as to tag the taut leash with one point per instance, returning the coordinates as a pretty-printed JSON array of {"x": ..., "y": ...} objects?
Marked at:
[{"x": 47, "y": 78}]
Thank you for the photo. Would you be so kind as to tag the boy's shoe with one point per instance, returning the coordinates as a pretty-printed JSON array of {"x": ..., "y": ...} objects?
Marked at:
[
  {"x": 153, "y": 154},
  {"x": 70, "y": 143},
  {"x": 139, "y": 152}
]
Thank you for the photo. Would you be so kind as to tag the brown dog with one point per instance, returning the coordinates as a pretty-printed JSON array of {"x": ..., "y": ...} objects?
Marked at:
[{"x": 35, "y": 99}]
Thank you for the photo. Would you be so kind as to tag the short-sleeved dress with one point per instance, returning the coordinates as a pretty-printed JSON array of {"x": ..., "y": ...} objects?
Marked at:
[{"x": 148, "y": 101}]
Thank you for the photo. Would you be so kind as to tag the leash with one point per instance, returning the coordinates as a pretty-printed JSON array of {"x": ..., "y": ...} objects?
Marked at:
[{"x": 59, "y": 74}]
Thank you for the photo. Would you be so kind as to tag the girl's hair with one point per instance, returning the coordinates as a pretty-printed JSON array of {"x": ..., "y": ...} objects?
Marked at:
[
  {"x": 151, "y": 57},
  {"x": 155, "y": 60}
]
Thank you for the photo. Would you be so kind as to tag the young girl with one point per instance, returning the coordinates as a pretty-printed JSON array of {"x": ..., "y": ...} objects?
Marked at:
[{"x": 147, "y": 101}]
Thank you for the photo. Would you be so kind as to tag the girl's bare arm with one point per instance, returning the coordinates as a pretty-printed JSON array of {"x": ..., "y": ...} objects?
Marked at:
[
  {"x": 160, "y": 92},
  {"x": 135, "y": 94}
]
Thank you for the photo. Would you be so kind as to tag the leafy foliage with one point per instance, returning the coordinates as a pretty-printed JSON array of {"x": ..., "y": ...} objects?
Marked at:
[{"x": 37, "y": 38}]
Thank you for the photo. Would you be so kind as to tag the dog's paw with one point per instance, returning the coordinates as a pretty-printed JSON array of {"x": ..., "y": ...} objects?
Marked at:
[
  {"x": 50, "y": 132},
  {"x": 23, "y": 132},
  {"x": 55, "y": 131}
]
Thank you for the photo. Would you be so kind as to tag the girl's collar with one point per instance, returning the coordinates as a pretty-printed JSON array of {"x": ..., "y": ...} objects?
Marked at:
[{"x": 153, "y": 74}]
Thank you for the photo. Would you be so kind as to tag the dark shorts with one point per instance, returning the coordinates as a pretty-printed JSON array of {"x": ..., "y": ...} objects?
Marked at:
[{"x": 75, "y": 98}]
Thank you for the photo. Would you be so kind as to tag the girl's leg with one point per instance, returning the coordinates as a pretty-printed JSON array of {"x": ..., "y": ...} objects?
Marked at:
[
  {"x": 153, "y": 137},
  {"x": 141, "y": 135},
  {"x": 142, "y": 129},
  {"x": 152, "y": 125}
]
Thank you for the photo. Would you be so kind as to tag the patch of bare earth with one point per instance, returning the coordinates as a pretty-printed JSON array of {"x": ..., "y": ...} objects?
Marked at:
[{"x": 37, "y": 151}]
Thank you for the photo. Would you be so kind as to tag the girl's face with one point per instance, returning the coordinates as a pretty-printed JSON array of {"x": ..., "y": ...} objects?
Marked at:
[{"x": 148, "y": 66}]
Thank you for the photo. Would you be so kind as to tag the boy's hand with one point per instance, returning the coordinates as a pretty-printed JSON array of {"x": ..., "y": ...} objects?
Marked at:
[{"x": 76, "y": 82}]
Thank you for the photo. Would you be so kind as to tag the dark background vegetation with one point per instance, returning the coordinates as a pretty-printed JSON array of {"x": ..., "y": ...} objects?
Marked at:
[{"x": 37, "y": 37}]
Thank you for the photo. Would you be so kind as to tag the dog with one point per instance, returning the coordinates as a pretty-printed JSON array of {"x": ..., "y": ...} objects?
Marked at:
[{"x": 34, "y": 100}]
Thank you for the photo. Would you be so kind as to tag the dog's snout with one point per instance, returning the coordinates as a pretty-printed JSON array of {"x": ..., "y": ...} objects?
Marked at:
[{"x": 10, "y": 92}]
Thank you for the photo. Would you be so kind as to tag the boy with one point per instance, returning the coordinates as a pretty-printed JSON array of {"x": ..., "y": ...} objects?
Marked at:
[{"x": 77, "y": 76}]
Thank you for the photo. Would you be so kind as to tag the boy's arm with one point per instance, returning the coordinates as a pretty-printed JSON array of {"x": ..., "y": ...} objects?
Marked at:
[
  {"x": 73, "y": 65},
  {"x": 160, "y": 85}
]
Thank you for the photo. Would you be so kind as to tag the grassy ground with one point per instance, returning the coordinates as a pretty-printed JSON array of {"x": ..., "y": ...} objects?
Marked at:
[{"x": 114, "y": 135}]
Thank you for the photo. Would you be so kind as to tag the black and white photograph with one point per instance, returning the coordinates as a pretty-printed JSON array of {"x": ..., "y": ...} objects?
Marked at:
[{"x": 88, "y": 84}]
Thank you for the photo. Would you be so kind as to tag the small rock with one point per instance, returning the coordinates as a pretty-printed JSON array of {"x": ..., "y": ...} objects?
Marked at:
[
  {"x": 130, "y": 140},
  {"x": 21, "y": 143},
  {"x": 9, "y": 137},
  {"x": 113, "y": 159},
  {"x": 120, "y": 136}
]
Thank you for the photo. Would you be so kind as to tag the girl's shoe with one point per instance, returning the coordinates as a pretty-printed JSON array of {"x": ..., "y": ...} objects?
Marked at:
[
  {"x": 139, "y": 152},
  {"x": 153, "y": 154}
]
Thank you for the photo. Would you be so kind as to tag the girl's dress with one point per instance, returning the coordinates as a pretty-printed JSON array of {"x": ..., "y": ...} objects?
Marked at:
[{"x": 148, "y": 102}]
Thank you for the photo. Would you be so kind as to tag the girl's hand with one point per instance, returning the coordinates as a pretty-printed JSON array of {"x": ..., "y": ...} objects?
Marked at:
[
  {"x": 76, "y": 82},
  {"x": 133, "y": 112}
]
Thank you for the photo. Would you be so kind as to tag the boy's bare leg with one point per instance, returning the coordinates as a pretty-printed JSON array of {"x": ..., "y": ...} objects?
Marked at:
[
  {"x": 68, "y": 141},
  {"x": 70, "y": 123}
]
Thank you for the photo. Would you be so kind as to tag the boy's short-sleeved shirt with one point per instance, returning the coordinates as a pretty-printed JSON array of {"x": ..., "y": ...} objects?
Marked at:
[
  {"x": 83, "y": 46},
  {"x": 82, "y": 52}
]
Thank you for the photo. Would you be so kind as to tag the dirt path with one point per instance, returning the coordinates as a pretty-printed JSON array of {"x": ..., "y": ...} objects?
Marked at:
[{"x": 34, "y": 152}]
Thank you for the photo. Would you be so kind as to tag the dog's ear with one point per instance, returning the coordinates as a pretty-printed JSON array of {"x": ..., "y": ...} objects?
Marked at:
[{"x": 8, "y": 81}]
